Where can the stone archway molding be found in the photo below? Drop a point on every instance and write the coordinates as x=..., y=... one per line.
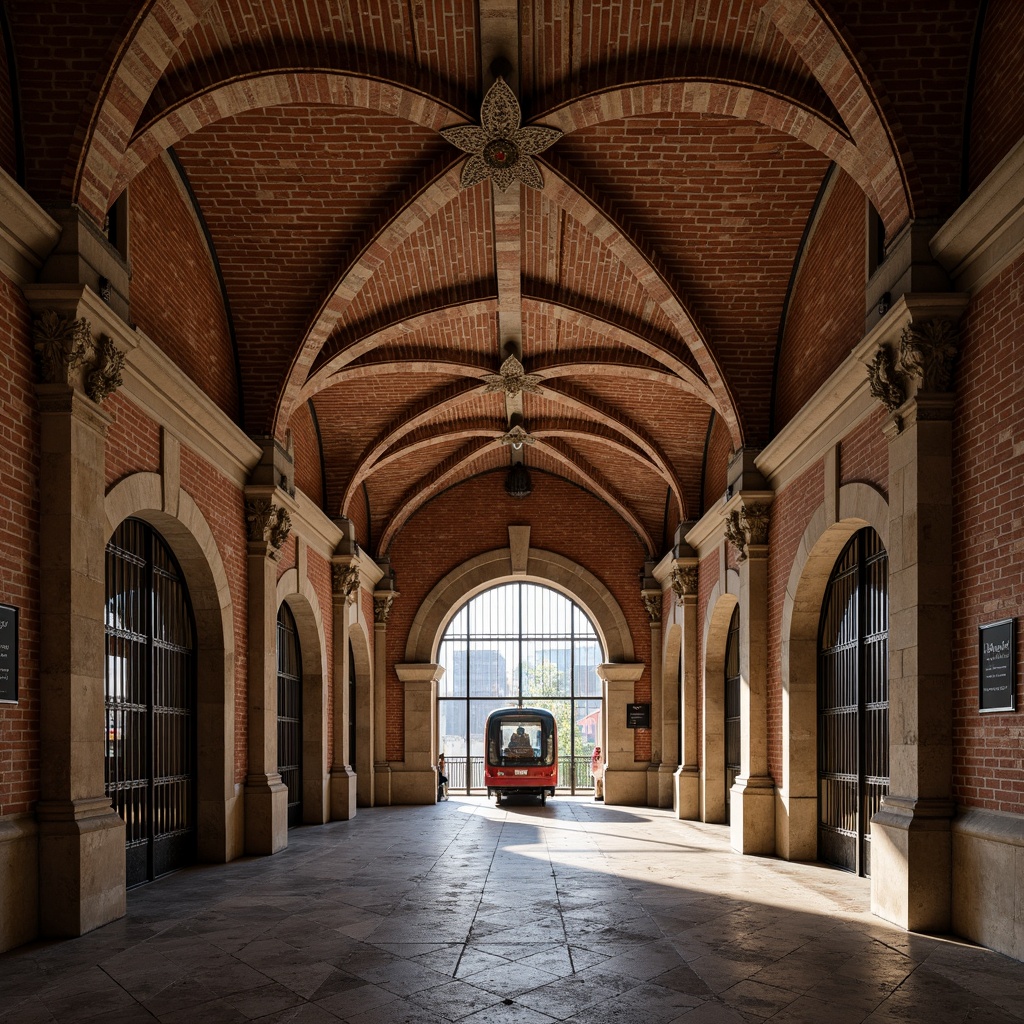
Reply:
x=796, y=802
x=174, y=514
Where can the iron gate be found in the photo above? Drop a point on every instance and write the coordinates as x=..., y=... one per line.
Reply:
x=150, y=702
x=853, y=703
x=289, y=713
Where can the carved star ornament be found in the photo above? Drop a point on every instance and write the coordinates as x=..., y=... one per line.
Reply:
x=500, y=149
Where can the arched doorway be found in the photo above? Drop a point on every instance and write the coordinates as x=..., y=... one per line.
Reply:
x=289, y=712
x=853, y=702
x=150, y=702
x=733, y=739
x=519, y=644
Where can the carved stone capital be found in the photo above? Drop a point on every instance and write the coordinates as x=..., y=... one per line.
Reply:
x=684, y=581
x=345, y=581
x=928, y=352
x=734, y=533
x=885, y=381
x=748, y=526
x=652, y=604
x=267, y=523
x=105, y=377
x=382, y=603
x=61, y=344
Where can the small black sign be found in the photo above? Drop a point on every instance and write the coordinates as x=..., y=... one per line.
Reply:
x=997, y=666
x=8, y=653
x=638, y=716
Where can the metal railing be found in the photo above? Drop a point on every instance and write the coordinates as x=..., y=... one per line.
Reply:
x=467, y=774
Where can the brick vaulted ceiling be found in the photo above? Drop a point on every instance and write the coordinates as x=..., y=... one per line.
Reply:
x=643, y=285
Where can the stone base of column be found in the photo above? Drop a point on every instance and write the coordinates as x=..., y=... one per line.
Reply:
x=343, y=793
x=686, y=793
x=412, y=785
x=381, y=784
x=81, y=866
x=752, y=815
x=628, y=788
x=266, y=815
x=912, y=863
x=660, y=785
x=796, y=827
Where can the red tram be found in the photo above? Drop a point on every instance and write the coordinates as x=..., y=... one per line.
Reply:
x=522, y=753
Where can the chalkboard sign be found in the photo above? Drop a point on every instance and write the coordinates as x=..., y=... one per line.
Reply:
x=997, y=666
x=8, y=653
x=638, y=716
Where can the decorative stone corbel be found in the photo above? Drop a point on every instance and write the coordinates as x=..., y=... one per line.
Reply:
x=748, y=525
x=382, y=602
x=652, y=603
x=929, y=350
x=105, y=377
x=267, y=523
x=684, y=581
x=62, y=343
x=345, y=581
x=885, y=381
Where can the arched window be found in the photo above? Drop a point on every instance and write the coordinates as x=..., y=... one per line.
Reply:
x=150, y=701
x=853, y=702
x=289, y=713
x=519, y=644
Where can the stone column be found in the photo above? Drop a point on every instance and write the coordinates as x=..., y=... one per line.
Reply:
x=686, y=796
x=625, y=781
x=81, y=838
x=345, y=592
x=752, y=814
x=416, y=781
x=383, y=598
x=663, y=703
x=911, y=858
x=266, y=796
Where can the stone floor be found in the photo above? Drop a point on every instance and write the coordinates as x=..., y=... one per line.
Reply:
x=464, y=912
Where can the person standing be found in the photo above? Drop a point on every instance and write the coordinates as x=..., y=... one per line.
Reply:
x=442, y=780
x=597, y=770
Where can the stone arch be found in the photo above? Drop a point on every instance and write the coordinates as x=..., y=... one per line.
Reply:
x=796, y=809
x=672, y=701
x=543, y=567
x=362, y=654
x=304, y=605
x=186, y=531
x=720, y=606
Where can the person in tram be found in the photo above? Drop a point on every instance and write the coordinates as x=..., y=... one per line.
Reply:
x=442, y=780
x=597, y=770
x=519, y=745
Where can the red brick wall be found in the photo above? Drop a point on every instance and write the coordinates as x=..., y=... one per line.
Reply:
x=997, y=116
x=222, y=506
x=176, y=298
x=864, y=453
x=826, y=310
x=988, y=489
x=133, y=440
x=7, y=127
x=792, y=510
x=716, y=465
x=19, y=549
x=474, y=518
x=308, y=477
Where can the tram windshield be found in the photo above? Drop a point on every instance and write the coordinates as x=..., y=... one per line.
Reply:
x=521, y=738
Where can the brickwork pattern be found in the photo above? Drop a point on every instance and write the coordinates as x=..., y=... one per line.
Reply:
x=8, y=150
x=133, y=440
x=176, y=298
x=988, y=537
x=826, y=310
x=19, y=550
x=864, y=453
x=716, y=463
x=308, y=472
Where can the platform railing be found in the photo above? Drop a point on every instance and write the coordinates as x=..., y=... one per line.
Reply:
x=467, y=774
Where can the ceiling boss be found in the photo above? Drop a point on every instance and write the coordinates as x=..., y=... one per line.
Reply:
x=500, y=149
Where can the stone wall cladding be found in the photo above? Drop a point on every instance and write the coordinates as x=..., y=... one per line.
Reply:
x=469, y=520
x=176, y=298
x=997, y=120
x=826, y=310
x=988, y=537
x=222, y=506
x=19, y=549
x=792, y=510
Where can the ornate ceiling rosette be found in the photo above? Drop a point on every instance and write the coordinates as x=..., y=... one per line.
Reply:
x=500, y=149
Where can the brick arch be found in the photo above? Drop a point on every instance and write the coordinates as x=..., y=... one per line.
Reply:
x=494, y=567
x=304, y=605
x=721, y=604
x=859, y=505
x=189, y=536
x=137, y=62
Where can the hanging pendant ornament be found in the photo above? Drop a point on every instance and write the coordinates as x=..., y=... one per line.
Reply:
x=501, y=150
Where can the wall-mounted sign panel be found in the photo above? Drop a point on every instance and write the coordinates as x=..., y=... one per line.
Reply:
x=997, y=666
x=8, y=653
x=638, y=716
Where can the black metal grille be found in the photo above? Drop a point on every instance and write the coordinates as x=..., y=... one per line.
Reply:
x=732, y=708
x=150, y=702
x=853, y=703
x=289, y=713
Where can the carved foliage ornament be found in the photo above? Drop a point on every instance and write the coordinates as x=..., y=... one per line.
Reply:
x=382, y=607
x=499, y=148
x=345, y=580
x=62, y=344
x=748, y=526
x=267, y=523
x=684, y=582
x=512, y=379
x=652, y=602
x=928, y=351
x=517, y=437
